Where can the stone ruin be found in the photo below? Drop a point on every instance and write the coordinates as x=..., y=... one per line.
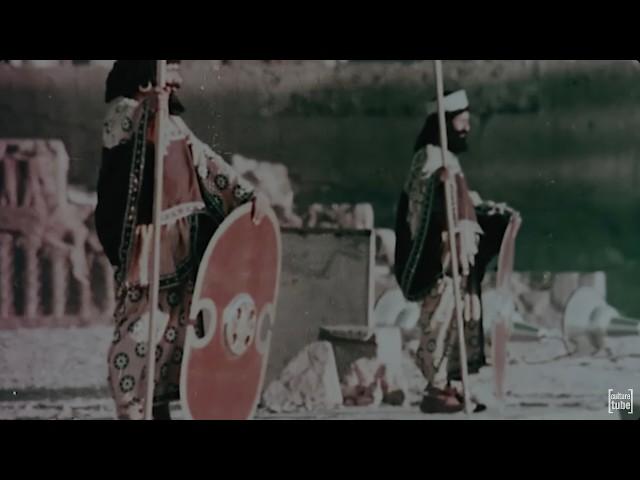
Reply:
x=355, y=368
x=52, y=270
x=272, y=179
x=53, y=274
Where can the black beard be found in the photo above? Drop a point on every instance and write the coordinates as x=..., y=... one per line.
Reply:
x=457, y=143
x=175, y=105
x=429, y=135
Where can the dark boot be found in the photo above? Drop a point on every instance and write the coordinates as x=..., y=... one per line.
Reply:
x=435, y=400
x=479, y=407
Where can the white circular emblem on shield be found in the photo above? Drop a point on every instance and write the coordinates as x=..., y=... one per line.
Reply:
x=240, y=321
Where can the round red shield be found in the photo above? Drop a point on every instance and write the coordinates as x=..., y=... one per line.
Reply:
x=236, y=291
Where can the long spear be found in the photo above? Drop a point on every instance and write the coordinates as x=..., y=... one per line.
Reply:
x=452, y=228
x=154, y=286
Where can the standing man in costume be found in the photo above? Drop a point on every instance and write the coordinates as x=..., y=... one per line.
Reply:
x=423, y=266
x=199, y=190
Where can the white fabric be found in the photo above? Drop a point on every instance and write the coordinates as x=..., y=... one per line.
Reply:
x=452, y=103
x=121, y=121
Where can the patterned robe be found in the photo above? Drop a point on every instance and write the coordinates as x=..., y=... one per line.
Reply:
x=199, y=190
x=423, y=267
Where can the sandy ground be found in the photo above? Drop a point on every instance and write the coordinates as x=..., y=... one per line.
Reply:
x=60, y=374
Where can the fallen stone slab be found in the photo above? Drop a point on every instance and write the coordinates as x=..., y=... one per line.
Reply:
x=309, y=382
